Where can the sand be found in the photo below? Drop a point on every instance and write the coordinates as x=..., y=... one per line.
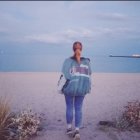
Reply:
x=38, y=90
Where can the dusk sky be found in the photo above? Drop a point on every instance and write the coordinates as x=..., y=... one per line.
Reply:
x=51, y=27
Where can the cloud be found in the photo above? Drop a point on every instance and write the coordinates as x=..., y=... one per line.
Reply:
x=61, y=37
x=62, y=22
x=53, y=38
x=80, y=33
x=112, y=16
x=3, y=30
x=116, y=33
x=70, y=35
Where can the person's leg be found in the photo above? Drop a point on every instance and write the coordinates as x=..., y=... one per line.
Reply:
x=69, y=110
x=78, y=103
x=78, y=116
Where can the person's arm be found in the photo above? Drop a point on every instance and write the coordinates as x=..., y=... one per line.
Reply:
x=63, y=77
x=66, y=69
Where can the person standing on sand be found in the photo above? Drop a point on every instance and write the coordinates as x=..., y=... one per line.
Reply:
x=76, y=71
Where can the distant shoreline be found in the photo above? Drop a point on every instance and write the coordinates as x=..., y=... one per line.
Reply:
x=128, y=56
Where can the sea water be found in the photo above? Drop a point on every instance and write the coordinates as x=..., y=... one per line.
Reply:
x=53, y=63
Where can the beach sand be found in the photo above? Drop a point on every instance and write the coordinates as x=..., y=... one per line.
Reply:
x=38, y=90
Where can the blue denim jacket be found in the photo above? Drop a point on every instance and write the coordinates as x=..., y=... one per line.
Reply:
x=77, y=77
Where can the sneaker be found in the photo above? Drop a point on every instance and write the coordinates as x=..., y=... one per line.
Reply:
x=69, y=132
x=76, y=135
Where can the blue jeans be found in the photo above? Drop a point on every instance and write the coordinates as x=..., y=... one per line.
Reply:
x=74, y=103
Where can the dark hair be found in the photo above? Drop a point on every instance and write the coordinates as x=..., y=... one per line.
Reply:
x=75, y=43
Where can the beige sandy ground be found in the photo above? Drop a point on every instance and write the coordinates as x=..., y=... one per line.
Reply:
x=110, y=92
